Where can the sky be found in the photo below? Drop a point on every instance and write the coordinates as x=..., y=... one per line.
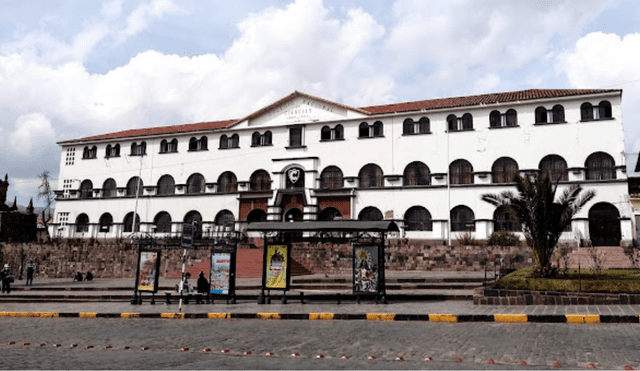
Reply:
x=73, y=68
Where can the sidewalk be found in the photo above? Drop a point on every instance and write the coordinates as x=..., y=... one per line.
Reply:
x=402, y=308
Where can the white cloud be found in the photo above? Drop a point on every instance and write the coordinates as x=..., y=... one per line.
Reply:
x=462, y=41
x=145, y=13
x=600, y=60
x=32, y=133
x=300, y=47
x=43, y=47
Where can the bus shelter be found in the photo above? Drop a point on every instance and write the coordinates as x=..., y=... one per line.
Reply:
x=367, y=239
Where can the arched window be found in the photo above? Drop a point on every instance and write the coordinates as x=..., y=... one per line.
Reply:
x=554, y=167
x=462, y=219
x=166, y=185
x=166, y=147
x=512, y=117
x=370, y=213
x=162, y=221
x=331, y=178
x=260, y=181
x=467, y=121
x=257, y=215
x=106, y=221
x=600, y=166
x=225, y=218
x=109, y=188
x=224, y=142
x=417, y=218
x=461, y=172
x=86, y=189
x=255, y=139
x=363, y=130
x=82, y=223
x=138, y=149
x=112, y=151
x=558, y=113
x=134, y=184
x=193, y=217
x=495, y=119
x=416, y=173
x=128, y=223
x=502, y=221
x=452, y=122
x=227, y=182
x=329, y=214
x=198, y=144
x=89, y=153
x=325, y=133
x=338, y=132
x=504, y=170
x=378, y=129
x=541, y=115
x=370, y=176
x=604, y=109
x=195, y=183
x=586, y=111
x=424, y=125
x=235, y=141
x=407, y=127
x=267, y=138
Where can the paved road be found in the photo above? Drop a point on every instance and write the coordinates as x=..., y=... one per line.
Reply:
x=608, y=346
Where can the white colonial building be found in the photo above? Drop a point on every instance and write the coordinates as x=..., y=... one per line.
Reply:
x=424, y=164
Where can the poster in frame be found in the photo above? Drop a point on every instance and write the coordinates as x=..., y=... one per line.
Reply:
x=276, y=267
x=148, y=271
x=366, y=270
x=222, y=273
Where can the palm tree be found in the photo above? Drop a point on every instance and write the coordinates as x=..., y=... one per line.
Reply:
x=542, y=218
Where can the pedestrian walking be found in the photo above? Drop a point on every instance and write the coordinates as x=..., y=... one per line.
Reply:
x=7, y=278
x=203, y=284
x=31, y=269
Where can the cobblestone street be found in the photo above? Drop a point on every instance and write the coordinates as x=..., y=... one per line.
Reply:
x=539, y=345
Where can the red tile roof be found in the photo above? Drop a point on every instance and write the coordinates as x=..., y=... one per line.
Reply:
x=475, y=100
x=174, y=129
x=423, y=105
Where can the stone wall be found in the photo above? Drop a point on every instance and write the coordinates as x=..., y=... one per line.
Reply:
x=112, y=259
x=406, y=255
x=104, y=260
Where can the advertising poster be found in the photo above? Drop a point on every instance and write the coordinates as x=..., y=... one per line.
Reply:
x=276, y=266
x=148, y=270
x=365, y=269
x=220, y=272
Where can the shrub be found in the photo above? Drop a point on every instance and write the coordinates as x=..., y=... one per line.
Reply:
x=503, y=238
x=465, y=239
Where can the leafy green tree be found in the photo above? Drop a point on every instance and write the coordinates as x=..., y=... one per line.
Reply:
x=541, y=216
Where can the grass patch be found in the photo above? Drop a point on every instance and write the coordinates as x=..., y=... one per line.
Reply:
x=608, y=281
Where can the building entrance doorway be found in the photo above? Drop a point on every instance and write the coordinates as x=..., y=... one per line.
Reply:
x=604, y=225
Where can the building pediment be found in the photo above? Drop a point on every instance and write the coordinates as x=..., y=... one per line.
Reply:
x=300, y=108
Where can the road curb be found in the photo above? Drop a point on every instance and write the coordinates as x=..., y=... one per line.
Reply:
x=432, y=317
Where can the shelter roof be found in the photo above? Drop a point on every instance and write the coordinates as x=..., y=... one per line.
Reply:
x=332, y=226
